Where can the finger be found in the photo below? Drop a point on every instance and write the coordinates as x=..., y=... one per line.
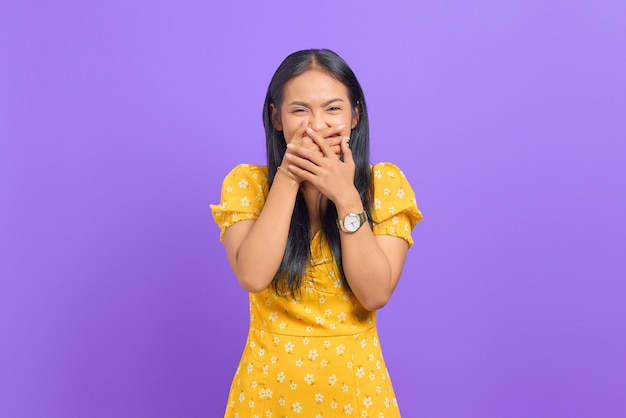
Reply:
x=320, y=141
x=302, y=164
x=345, y=149
x=331, y=131
x=299, y=132
x=334, y=142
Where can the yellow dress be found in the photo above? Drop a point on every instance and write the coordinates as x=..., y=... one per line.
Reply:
x=318, y=355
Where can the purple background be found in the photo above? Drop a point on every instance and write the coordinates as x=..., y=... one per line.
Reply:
x=119, y=120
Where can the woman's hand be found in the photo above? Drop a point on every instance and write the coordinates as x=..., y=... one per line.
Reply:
x=301, y=140
x=324, y=169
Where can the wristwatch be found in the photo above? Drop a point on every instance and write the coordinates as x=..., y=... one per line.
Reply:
x=352, y=222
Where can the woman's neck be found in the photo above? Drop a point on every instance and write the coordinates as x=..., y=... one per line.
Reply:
x=312, y=197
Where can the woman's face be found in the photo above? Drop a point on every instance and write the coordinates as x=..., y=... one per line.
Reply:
x=318, y=100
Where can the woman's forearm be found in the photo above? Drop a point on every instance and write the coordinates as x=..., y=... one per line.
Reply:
x=255, y=250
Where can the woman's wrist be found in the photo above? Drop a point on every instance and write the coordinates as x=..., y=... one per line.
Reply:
x=287, y=173
x=349, y=203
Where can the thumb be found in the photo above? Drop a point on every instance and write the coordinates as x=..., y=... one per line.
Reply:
x=345, y=150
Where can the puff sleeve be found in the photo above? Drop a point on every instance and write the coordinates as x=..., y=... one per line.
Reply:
x=243, y=195
x=395, y=210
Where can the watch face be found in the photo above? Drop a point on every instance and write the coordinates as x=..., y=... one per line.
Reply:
x=351, y=222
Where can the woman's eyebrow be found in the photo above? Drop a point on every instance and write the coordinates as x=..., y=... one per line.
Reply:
x=298, y=103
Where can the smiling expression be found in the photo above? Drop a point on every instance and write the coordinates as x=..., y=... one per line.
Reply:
x=318, y=99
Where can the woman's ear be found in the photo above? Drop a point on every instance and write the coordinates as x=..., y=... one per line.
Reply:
x=355, y=115
x=275, y=118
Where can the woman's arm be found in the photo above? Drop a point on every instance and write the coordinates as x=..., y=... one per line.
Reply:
x=372, y=264
x=255, y=248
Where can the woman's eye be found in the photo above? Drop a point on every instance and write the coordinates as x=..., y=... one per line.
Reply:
x=334, y=109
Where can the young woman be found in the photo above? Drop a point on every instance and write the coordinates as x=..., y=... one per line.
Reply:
x=319, y=238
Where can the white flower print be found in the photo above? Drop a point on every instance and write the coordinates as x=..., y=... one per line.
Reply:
x=332, y=327
x=395, y=220
x=319, y=320
x=289, y=347
x=345, y=387
x=299, y=363
x=378, y=174
x=340, y=349
x=274, y=359
x=249, y=368
x=265, y=394
x=387, y=403
x=400, y=193
x=391, y=174
x=243, y=184
x=347, y=409
x=386, y=191
x=292, y=385
x=245, y=201
x=392, y=210
x=309, y=378
x=261, y=352
x=324, y=363
x=333, y=404
x=341, y=317
x=377, y=203
x=322, y=300
x=251, y=404
x=319, y=398
x=360, y=371
x=309, y=329
x=328, y=313
x=280, y=377
x=281, y=401
x=312, y=354
x=332, y=379
x=282, y=325
x=253, y=384
x=229, y=189
x=372, y=376
x=242, y=396
x=363, y=343
x=276, y=340
x=273, y=316
x=305, y=341
x=297, y=408
x=327, y=344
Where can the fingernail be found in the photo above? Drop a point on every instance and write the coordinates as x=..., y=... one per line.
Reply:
x=309, y=130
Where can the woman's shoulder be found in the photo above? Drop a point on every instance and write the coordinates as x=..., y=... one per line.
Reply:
x=388, y=170
x=247, y=173
x=248, y=169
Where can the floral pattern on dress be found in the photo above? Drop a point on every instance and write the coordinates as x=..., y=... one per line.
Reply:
x=317, y=355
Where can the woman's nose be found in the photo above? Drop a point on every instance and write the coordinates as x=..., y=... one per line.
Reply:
x=317, y=123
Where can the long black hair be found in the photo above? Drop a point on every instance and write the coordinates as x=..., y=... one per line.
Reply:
x=292, y=269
